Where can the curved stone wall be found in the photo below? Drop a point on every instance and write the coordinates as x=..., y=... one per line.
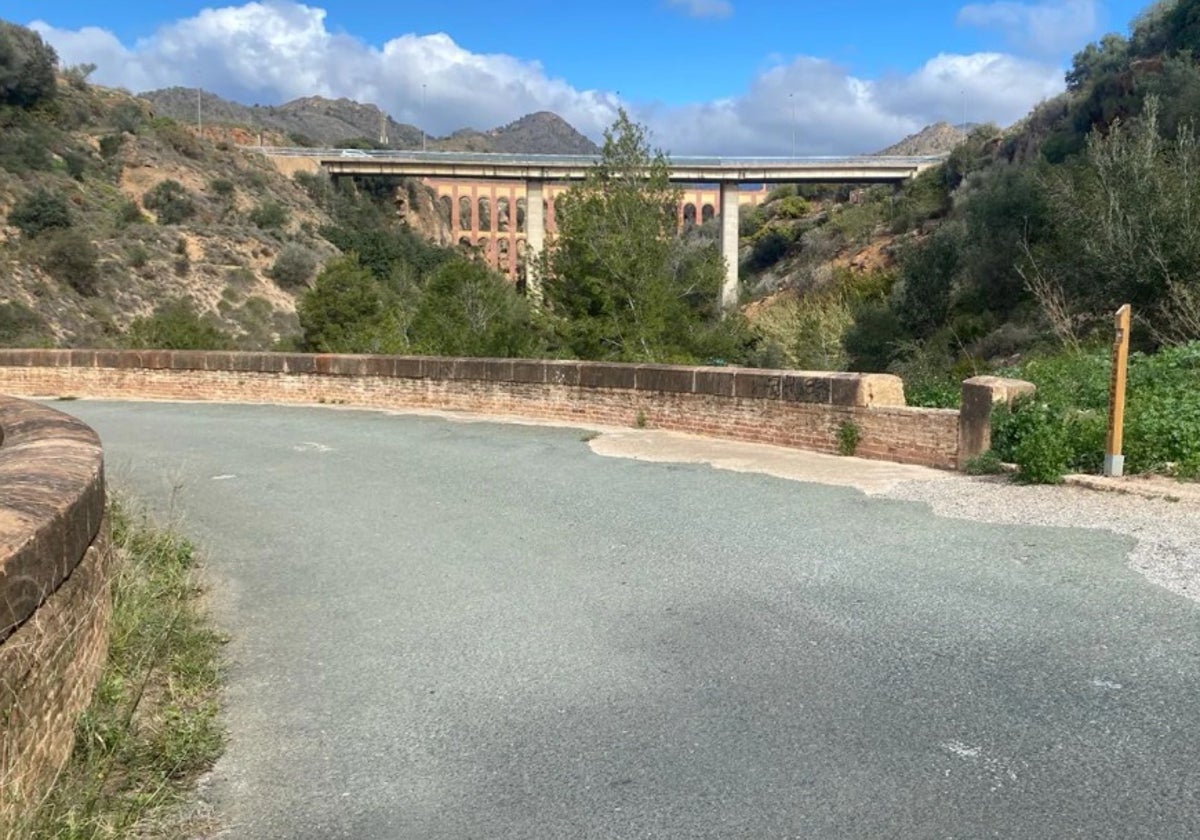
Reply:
x=54, y=604
x=800, y=409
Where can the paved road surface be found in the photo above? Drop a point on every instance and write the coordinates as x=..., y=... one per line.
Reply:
x=449, y=630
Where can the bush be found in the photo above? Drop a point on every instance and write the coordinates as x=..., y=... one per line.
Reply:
x=792, y=207
x=129, y=213
x=38, y=212
x=171, y=202
x=72, y=258
x=467, y=310
x=294, y=266
x=176, y=325
x=222, y=187
x=270, y=215
x=1033, y=434
x=348, y=311
x=20, y=325
x=768, y=249
x=178, y=137
x=985, y=463
x=26, y=67
x=849, y=436
x=110, y=145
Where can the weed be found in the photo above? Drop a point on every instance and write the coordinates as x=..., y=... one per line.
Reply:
x=640, y=420
x=985, y=463
x=848, y=436
x=152, y=727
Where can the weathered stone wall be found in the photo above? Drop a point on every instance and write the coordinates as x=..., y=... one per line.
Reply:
x=54, y=600
x=789, y=408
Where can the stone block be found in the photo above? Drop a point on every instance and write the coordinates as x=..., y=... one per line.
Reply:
x=757, y=385
x=806, y=388
x=713, y=381
x=666, y=378
x=606, y=375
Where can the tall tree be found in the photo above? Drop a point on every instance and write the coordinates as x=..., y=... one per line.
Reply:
x=26, y=66
x=619, y=284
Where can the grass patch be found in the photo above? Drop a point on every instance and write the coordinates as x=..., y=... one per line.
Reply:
x=152, y=727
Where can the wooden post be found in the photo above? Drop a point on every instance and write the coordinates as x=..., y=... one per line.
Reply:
x=1114, y=460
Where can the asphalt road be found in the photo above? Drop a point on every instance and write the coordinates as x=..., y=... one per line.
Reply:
x=451, y=630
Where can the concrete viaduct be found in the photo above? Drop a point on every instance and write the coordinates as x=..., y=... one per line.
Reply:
x=536, y=172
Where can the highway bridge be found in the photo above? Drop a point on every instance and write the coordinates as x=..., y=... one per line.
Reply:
x=535, y=171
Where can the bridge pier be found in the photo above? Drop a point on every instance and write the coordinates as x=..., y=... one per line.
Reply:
x=535, y=238
x=729, y=244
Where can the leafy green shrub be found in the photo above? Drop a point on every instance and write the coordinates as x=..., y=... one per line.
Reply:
x=110, y=145
x=751, y=221
x=348, y=311
x=40, y=211
x=75, y=164
x=294, y=266
x=792, y=207
x=170, y=201
x=985, y=463
x=466, y=309
x=222, y=187
x=176, y=325
x=849, y=436
x=780, y=192
x=20, y=326
x=1034, y=435
x=70, y=257
x=129, y=213
x=137, y=256
x=872, y=340
x=26, y=149
x=27, y=65
x=768, y=249
x=269, y=215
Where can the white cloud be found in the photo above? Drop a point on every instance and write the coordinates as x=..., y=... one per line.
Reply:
x=273, y=51
x=1049, y=28
x=704, y=8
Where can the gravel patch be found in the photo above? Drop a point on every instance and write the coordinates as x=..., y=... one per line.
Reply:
x=1167, y=533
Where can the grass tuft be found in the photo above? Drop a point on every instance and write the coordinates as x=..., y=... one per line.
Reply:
x=152, y=727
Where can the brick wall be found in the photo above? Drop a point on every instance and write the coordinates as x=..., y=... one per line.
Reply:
x=54, y=604
x=790, y=408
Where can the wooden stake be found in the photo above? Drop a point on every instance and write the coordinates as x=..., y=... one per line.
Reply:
x=1114, y=460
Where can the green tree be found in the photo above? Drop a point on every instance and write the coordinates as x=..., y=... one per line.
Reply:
x=349, y=311
x=619, y=284
x=467, y=310
x=27, y=66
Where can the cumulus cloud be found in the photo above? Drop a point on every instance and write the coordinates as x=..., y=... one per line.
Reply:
x=1050, y=28
x=270, y=52
x=703, y=8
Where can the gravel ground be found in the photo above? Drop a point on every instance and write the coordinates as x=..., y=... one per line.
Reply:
x=1167, y=533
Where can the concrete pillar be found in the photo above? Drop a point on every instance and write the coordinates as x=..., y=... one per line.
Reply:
x=455, y=224
x=535, y=238
x=729, y=244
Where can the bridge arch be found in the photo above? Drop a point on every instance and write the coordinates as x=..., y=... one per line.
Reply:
x=706, y=213
x=485, y=213
x=464, y=213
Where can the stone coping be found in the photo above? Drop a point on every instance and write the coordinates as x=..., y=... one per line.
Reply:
x=816, y=387
x=51, y=503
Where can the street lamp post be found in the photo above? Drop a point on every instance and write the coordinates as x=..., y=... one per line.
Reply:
x=422, y=116
x=792, y=100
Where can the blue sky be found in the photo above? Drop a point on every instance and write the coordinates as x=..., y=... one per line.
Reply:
x=707, y=76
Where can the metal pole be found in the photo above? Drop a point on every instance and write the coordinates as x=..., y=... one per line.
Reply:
x=422, y=116
x=1114, y=460
x=792, y=99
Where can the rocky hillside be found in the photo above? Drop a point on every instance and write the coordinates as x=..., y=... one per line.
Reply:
x=317, y=121
x=109, y=211
x=939, y=138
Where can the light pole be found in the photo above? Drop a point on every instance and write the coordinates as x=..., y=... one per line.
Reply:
x=792, y=100
x=422, y=116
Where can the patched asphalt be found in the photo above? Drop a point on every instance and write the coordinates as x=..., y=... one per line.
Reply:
x=474, y=630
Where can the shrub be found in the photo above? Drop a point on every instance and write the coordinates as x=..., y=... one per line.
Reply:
x=985, y=463
x=72, y=258
x=294, y=266
x=40, y=211
x=849, y=436
x=129, y=213
x=137, y=256
x=178, y=137
x=270, y=215
x=1034, y=435
x=222, y=187
x=26, y=67
x=792, y=207
x=768, y=249
x=176, y=325
x=20, y=325
x=110, y=145
x=348, y=311
x=170, y=201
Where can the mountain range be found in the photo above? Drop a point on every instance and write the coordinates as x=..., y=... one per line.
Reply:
x=318, y=121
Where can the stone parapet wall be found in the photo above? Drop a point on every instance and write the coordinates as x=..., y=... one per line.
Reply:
x=54, y=600
x=789, y=408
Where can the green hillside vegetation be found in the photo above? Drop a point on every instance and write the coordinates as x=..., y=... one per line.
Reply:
x=1014, y=255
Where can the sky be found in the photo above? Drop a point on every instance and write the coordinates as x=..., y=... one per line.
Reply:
x=719, y=77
